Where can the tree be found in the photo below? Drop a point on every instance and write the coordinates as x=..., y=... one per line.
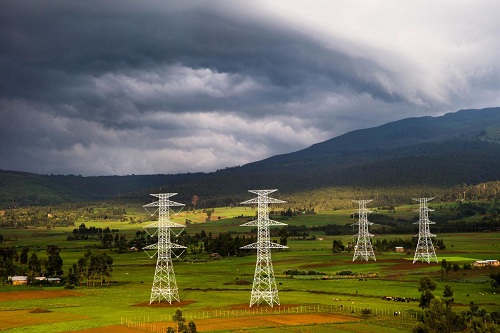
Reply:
x=44, y=266
x=100, y=268
x=72, y=279
x=23, y=258
x=445, y=267
x=495, y=280
x=107, y=240
x=105, y=267
x=448, y=295
x=337, y=246
x=179, y=320
x=426, y=286
x=83, y=267
x=191, y=328
x=55, y=262
x=438, y=318
x=1, y=238
x=283, y=236
x=7, y=267
x=34, y=264
x=94, y=267
x=478, y=320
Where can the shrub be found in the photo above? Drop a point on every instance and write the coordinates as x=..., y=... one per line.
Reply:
x=366, y=312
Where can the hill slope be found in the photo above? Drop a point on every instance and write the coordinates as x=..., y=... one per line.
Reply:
x=460, y=147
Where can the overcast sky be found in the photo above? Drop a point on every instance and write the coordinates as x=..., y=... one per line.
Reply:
x=121, y=87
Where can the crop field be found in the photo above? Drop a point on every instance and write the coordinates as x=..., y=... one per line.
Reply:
x=215, y=293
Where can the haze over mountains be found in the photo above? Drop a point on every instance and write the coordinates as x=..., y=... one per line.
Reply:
x=456, y=148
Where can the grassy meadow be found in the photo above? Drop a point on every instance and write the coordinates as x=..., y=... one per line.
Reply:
x=206, y=284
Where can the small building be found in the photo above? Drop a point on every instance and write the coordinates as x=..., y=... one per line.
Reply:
x=486, y=263
x=480, y=263
x=54, y=280
x=400, y=249
x=493, y=262
x=18, y=280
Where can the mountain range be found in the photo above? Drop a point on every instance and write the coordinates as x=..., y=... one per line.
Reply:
x=457, y=148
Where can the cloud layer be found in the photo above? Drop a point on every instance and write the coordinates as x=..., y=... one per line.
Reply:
x=123, y=87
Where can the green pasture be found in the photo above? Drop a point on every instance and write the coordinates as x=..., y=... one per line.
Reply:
x=220, y=284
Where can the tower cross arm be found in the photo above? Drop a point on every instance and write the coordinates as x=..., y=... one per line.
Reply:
x=163, y=203
x=256, y=223
x=169, y=246
x=266, y=245
x=169, y=224
x=262, y=200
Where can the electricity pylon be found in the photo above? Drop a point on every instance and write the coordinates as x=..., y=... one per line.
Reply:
x=363, y=248
x=264, y=284
x=164, y=284
x=425, y=250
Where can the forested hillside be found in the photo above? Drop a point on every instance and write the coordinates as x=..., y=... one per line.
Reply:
x=416, y=156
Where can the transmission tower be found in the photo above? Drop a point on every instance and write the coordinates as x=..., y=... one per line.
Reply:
x=164, y=284
x=425, y=250
x=264, y=285
x=363, y=248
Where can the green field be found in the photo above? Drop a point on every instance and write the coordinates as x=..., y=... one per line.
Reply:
x=211, y=285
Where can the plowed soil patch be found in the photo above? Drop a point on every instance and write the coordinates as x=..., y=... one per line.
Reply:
x=36, y=294
x=269, y=321
x=236, y=323
x=22, y=318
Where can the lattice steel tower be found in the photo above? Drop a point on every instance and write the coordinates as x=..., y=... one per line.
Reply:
x=363, y=248
x=425, y=250
x=264, y=285
x=164, y=284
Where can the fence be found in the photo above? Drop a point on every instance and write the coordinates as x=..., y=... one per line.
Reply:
x=159, y=323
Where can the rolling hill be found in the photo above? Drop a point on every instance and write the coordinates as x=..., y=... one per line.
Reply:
x=456, y=148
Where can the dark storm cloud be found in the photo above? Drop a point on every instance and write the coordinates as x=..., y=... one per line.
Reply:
x=110, y=81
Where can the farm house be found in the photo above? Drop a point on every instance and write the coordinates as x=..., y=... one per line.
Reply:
x=18, y=280
x=486, y=263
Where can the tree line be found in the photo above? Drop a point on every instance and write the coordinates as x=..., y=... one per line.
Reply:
x=93, y=268
x=31, y=265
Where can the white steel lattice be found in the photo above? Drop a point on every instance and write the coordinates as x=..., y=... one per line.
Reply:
x=264, y=284
x=164, y=283
x=363, y=248
x=425, y=250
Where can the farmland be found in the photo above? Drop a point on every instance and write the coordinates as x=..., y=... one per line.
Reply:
x=223, y=285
